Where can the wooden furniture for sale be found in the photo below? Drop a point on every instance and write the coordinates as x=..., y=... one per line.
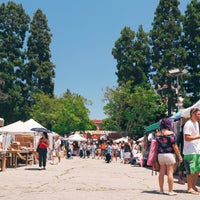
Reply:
x=3, y=160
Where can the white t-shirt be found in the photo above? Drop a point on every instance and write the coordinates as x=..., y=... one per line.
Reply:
x=191, y=147
x=57, y=144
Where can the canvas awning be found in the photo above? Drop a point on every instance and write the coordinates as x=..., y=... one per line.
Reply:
x=186, y=112
x=152, y=127
x=176, y=116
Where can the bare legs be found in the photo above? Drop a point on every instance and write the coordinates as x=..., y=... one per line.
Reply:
x=170, y=178
x=192, y=181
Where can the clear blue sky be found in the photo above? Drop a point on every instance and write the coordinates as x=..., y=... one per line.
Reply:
x=84, y=33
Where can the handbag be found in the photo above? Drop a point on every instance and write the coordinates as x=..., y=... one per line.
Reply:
x=153, y=156
x=153, y=152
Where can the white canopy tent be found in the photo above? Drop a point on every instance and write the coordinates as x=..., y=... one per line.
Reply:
x=16, y=127
x=10, y=130
x=185, y=113
x=19, y=127
x=76, y=137
x=23, y=128
x=125, y=139
x=31, y=123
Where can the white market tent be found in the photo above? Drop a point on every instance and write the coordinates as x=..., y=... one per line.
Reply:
x=185, y=113
x=16, y=127
x=10, y=130
x=125, y=139
x=76, y=137
x=19, y=127
x=31, y=123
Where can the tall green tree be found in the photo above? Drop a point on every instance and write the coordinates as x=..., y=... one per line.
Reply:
x=131, y=111
x=64, y=114
x=13, y=27
x=132, y=54
x=191, y=28
x=168, y=51
x=114, y=97
x=39, y=71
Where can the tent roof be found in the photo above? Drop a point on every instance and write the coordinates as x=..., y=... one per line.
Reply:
x=76, y=137
x=186, y=112
x=125, y=139
x=16, y=127
x=152, y=127
x=31, y=123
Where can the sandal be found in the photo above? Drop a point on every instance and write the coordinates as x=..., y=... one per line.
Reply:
x=181, y=181
x=197, y=190
x=193, y=192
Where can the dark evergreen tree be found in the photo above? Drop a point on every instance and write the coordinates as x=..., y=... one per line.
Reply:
x=132, y=54
x=13, y=26
x=167, y=49
x=191, y=27
x=39, y=71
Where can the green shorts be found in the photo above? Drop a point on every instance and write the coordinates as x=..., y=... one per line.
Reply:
x=192, y=163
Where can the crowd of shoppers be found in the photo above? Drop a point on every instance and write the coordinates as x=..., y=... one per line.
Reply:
x=110, y=150
x=129, y=151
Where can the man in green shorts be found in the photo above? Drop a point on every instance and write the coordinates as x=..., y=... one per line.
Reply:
x=191, y=150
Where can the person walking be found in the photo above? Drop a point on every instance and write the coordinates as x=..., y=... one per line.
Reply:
x=121, y=147
x=115, y=150
x=127, y=152
x=93, y=148
x=108, y=151
x=191, y=150
x=42, y=150
x=56, y=149
x=167, y=148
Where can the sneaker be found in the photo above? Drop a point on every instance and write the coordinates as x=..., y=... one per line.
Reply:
x=172, y=193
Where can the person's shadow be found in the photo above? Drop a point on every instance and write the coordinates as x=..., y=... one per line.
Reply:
x=33, y=169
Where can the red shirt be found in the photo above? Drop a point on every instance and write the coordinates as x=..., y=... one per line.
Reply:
x=43, y=143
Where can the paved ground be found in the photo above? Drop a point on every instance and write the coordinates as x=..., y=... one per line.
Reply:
x=85, y=179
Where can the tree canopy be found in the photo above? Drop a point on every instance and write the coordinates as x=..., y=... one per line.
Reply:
x=172, y=43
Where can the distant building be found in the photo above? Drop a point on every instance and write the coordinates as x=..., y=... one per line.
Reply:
x=98, y=123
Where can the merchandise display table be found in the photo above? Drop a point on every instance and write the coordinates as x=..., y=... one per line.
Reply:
x=28, y=156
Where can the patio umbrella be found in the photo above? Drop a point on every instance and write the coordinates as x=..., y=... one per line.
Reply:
x=40, y=129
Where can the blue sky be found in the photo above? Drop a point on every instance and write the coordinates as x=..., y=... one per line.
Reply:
x=84, y=33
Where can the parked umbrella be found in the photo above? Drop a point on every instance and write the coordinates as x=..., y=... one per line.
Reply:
x=40, y=129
